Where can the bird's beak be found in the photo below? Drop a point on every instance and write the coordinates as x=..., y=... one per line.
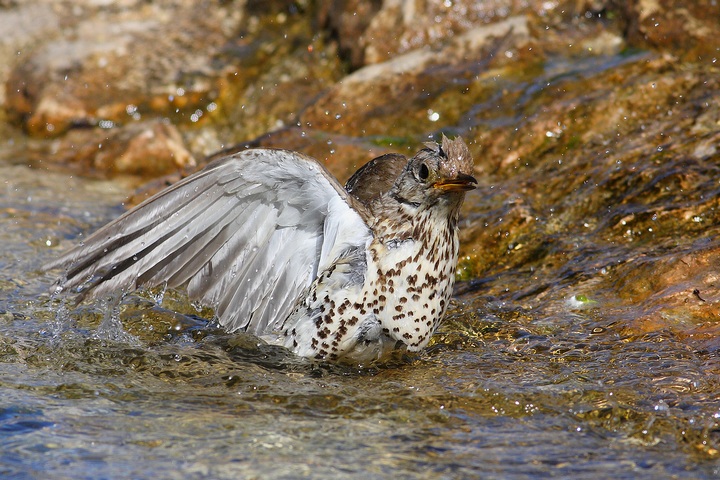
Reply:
x=461, y=183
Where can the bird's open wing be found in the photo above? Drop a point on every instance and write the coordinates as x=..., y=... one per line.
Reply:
x=246, y=235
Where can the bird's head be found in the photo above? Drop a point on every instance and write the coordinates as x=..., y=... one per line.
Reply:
x=438, y=172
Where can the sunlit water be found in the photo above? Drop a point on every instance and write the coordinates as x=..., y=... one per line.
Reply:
x=506, y=391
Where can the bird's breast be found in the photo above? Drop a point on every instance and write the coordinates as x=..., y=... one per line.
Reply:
x=401, y=295
x=410, y=281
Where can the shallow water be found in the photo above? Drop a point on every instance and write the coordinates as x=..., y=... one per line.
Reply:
x=511, y=387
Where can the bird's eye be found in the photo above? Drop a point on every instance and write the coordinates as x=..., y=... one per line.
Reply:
x=423, y=172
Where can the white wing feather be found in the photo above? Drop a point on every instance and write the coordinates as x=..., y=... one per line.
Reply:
x=247, y=235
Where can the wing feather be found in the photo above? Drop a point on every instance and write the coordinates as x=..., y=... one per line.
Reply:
x=247, y=235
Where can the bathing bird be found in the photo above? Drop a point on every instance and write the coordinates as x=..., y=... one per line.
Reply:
x=280, y=249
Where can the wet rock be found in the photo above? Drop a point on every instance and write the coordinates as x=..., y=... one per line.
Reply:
x=147, y=149
x=279, y=66
x=605, y=185
x=120, y=64
x=690, y=29
x=376, y=34
x=363, y=101
x=341, y=155
x=679, y=294
x=22, y=25
x=347, y=21
x=220, y=73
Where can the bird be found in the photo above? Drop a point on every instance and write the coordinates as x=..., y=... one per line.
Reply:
x=280, y=249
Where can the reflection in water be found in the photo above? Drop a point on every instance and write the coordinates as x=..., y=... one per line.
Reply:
x=551, y=377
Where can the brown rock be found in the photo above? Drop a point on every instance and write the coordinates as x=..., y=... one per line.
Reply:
x=117, y=65
x=147, y=149
x=342, y=155
x=690, y=29
x=347, y=21
x=404, y=91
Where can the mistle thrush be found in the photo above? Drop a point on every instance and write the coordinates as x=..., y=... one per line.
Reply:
x=280, y=249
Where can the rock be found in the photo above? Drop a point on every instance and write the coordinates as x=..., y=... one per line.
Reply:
x=362, y=102
x=341, y=155
x=347, y=21
x=688, y=29
x=216, y=71
x=147, y=149
x=118, y=65
x=375, y=32
x=22, y=26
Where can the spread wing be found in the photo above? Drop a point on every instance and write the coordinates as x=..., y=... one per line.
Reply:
x=246, y=235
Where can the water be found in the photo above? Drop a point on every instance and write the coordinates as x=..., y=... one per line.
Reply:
x=514, y=386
